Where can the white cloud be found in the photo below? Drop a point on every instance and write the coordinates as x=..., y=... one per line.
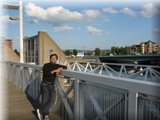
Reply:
x=36, y=12
x=106, y=20
x=110, y=10
x=53, y=15
x=58, y=15
x=125, y=10
x=94, y=30
x=35, y=21
x=128, y=11
x=149, y=10
x=63, y=29
x=91, y=14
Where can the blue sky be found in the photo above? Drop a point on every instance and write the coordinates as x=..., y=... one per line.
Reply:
x=85, y=25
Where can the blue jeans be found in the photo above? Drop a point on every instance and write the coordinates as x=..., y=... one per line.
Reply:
x=48, y=97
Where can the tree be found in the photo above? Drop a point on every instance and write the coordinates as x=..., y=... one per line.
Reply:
x=97, y=51
x=123, y=50
x=16, y=51
x=115, y=50
x=133, y=49
x=75, y=52
x=67, y=52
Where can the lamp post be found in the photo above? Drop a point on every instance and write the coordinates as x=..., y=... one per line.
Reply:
x=21, y=31
x=20, y=18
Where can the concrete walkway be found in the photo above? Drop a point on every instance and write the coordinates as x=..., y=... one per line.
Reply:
x=18, y=106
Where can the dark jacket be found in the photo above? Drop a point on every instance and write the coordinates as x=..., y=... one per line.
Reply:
x=47, y=68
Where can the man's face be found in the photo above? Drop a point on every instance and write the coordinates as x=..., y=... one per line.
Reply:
x=53, y=59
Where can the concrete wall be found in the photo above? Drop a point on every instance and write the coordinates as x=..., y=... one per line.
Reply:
x=46, y=43
x=8, y=54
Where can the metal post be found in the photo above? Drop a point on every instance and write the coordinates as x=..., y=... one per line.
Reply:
x=21, y=30
x=20, y=18
x=76, y=100
x=132, y=107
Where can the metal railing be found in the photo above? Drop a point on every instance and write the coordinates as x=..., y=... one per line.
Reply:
x=88, y=96
x=132, y=71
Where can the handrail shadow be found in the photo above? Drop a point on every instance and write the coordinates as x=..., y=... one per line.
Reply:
x=33, y=94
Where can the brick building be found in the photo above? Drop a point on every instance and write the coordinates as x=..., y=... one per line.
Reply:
x=148, y=47
x=7, y=52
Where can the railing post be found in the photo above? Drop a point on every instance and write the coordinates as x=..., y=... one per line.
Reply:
x=76, y=100
x=132, y=106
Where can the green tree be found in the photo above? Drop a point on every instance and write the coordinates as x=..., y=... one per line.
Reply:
x=133, y=49
x=16, y=51
x=67, y=52
x=97, y=51
x=123, y=50
x=127, y=49
x=75, y=52
x=115, y=50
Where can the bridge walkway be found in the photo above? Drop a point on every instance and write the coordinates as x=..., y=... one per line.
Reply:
x=18, y=107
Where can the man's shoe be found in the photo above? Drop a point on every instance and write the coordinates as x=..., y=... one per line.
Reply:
x=46, y=117
x=39, y=115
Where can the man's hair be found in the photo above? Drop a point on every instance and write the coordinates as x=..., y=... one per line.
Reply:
x=53, y=55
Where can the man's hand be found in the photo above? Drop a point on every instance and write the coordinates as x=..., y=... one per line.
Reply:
x=57, y=71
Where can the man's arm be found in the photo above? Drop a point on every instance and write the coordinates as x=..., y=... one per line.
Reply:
x=55, y=71
x=58, y=71
x=62, y=66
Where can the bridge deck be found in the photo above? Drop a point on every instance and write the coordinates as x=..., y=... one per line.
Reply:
x=18, y=106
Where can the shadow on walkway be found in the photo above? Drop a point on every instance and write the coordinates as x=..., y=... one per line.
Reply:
x=33, y=94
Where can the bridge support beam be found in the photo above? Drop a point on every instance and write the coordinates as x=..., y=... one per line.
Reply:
x=76, y=100
x=132, y=106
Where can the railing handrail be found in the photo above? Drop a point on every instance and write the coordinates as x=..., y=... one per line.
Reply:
x=97, y=63
x=28, y=73
x=35, y=67
x=107, y=63
x=145, y=87
x=123, y=83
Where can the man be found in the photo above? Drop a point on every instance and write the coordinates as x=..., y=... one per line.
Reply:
x=50, y=71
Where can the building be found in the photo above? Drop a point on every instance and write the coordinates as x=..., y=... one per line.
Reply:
x=8, y=43
x=134, y=49
x=148, y=47
x=7, y=52
x=155, y=48
x=80, y=54
x=159, y=49
x=143, y=48
x=38, y=48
